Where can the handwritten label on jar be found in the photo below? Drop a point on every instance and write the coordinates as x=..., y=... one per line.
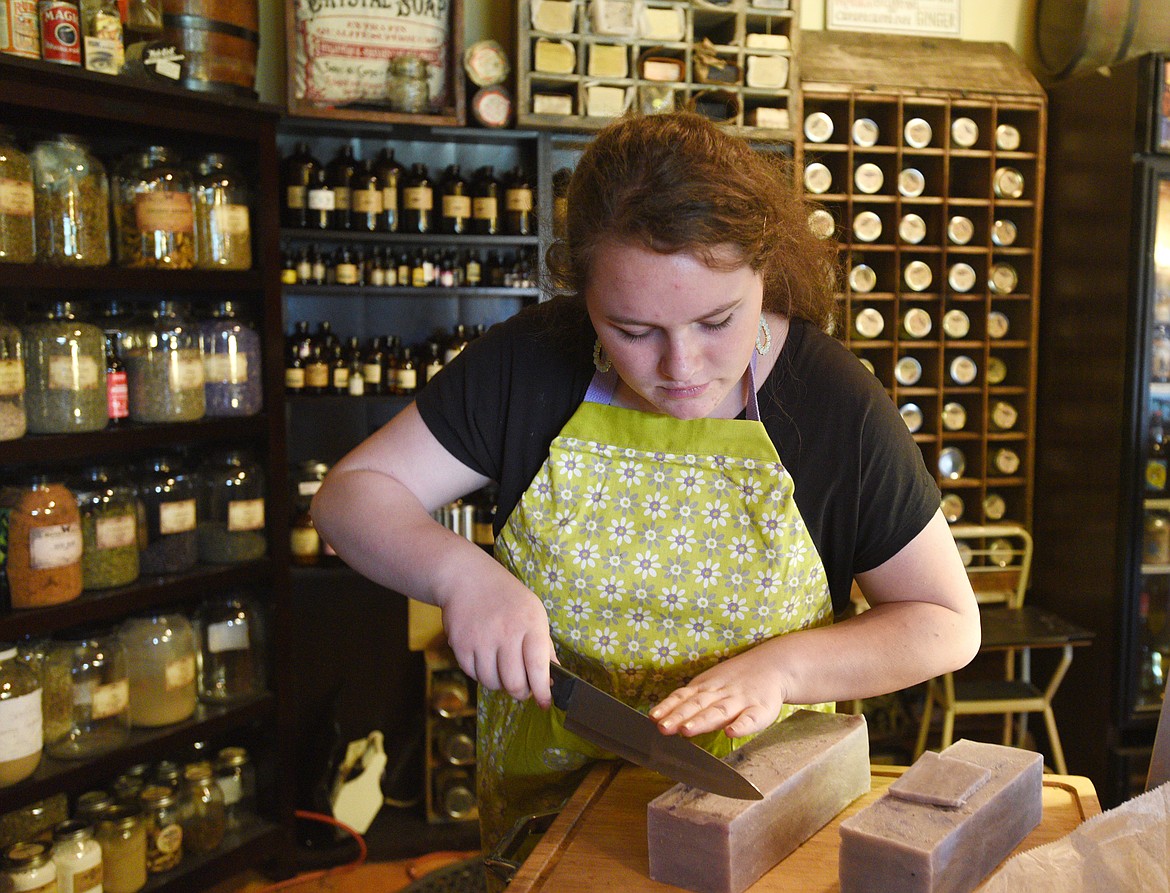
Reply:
x=16, y=197
x=56, y=546
x=169, y=212
x=20, y=726
x=227, y=636
x=111, y=699
x=11, y=377
x=67, y=374
x=180, y=673
x=185, y=370
x=231, y=219
x=226, y=368
x=115, y=533
x=245, y=514
x=176, y=517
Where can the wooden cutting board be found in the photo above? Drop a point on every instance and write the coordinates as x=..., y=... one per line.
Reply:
x=598, y=842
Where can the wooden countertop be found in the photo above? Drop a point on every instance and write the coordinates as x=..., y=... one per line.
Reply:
x=598, y=842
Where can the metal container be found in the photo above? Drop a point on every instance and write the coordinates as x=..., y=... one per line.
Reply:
x=964, y=133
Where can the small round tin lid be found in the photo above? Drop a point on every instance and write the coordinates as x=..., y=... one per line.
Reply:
x=960, y=229
x=867, y=226
x=865, y=132
x=917, y=275
x=818, y=179
x=912, y=415
x=862, y=278
x=912, y=228
x=911, y=182
x=952, y=507
x=994, y=507
x=869, y=178
x=1003, y=233
x=27, y=855
x=997, y=324
x=961, y=277
x=908, y=371
x=1007, y=138
x=1003, y=279
x=952, y=464
x=966, y=553
x=1007, y=461
x=917, y=133
x=492, y=106
x=954, y=416
x=956, y=323
x=996, y=370
x=1008, y=182
x=818, y=127
x=869, y=322
x=1004, y=415
x=917, y=322
x=964, y=132
x=867, y=364
x=822, y=224
x=963, y=370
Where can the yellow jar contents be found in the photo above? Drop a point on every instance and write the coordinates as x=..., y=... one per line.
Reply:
x=204, y=812
x=123, y=840
x=161, y=649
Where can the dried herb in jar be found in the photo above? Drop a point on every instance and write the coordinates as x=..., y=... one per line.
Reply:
x=43, y=557
x=164, y=365
x=154, y=212
x=231, y=509
x=231, y=363
x=13, y=420
x=167, y=538
x=223, y=228
x=109, y=529
x=17, y=207
x=65, y=373
x=72, y=204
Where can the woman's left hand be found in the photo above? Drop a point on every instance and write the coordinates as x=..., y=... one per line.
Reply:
x=740, y=696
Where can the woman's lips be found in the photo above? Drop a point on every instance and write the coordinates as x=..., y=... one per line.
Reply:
x=684, y=393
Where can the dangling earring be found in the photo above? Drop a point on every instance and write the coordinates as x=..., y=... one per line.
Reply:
x=600, y=361
x=763, y=337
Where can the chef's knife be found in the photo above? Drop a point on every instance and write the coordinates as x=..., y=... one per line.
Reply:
x=619, y=728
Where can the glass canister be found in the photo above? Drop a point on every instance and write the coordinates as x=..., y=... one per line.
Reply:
x=232, y=369
x=91, y=806
x=202, y=811
x=65, y=372
x=42, y=561
x=154, y=211
x=223, y=226
x=31, y=868
x=230, y=636
x=123, y=841
x=17, y=203
x=167, y=497
x=13, y=421
x=407, y=89
x=78, y=857
x=109, y=529
x=164, y=832
x=164, y=366
x=72, y=203
x=236, y=777
x=86, y=695
x=161, y=649
x=20, y=718
x=231, y=508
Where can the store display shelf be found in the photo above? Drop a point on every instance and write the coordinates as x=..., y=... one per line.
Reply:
x=243, y=847
x=327, y=400
x=431, y=240
x=39, y=278
x=370, y=291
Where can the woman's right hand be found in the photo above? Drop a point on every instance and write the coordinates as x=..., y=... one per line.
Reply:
x=499, y=633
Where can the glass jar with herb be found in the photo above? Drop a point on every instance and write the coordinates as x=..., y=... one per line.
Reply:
x=65, y=372
x=109, y=529
x=230, y=636
x=78, y=857
x=20, y=717
x=30, y=867
x=17, y=205
x=164, y=832
x=231, y=363
x=231, y=508
x=164, y=366
x=223, y=225
x=153, y=211
x=13, y=421
x=236, y=777
x=43, y=559
x=407, y=88
x=86, y=694
x=72, y=204
x=202, y=810
x=167, y=496
x=123, y=840
x=161, y=648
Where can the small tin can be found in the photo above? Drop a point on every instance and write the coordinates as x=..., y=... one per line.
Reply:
x=867, y=226
x=1007, y=182
x=908, y=371
x=952, y=507
x=1003, y=415
x=1000, y=552
x=960, y=230
x=1007, y=138
x=818, y=127
x=917, y=133
x=865, y=132
x=964, y=132
x=822, y=224
x=818, y=179
x=911, y=182
x=952, y=464
x=917, y=276
x=1006, y=461
x=916, y=322
x=868, y=178
x=1003, y=233
x=912, y=415
x=966, y=553
x=997, y=324
x=963, y=370
x=954, y=416
x=956, y=323
x=961, y=277
x=867, y=364
x=912, y=228
x=869, y=322
x=60, y=31
x=862, y=278
x=1003, y=279
x=996, y=370
x=994, y=507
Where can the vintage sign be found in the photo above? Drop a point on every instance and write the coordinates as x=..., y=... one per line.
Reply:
x=939, y=18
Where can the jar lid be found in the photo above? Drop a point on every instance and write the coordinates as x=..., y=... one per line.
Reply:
x=960, y=229
x=956, y=323
x=997, y=324
x=92, y=802
x=862, y=278
x=867, y=226
x=917, y=133
x=869, y=178
x=1008, y=182
x=27, y=854
x=72, y=829
x=911, y=183
x=964, y=132
x=157, y=795
x=865, y=132
x=821, y=223
x=996, y=370
x=199, y=771
x=952, y=507
x=1007, y=138
x=961, y=277
x=409, y=66
x=994, y=507
x=869, y=322
x=818, y=178
x=1003, y=279
x=818, y=127
x=917, y=322
x=912, y=415
x=1004, y=415
x=917, y=275
x=954, y=416
x=122, y=816
x=1003, y=233
x=963, y=370
x=908, y=371
x=486, y=63
x=232, y=756
x=952, y=463
x=912, y=228
x=1007, y=461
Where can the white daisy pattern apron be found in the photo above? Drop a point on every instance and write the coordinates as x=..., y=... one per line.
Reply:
x=659, y=547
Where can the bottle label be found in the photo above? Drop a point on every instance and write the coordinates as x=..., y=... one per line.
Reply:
x=377, y=276
x=231, y=785
x=226, y=368
x=294, y=378
x=67, y=375
x=169, y=212
x=372, y=373
x=347, y=274
x=1156, y=475
x=186, y=370
x=433, y=369
x=322, y=200
x=116, y=533
x=245, y=514
x=390, y=199
x=169, y=839
x=305, y=542
x=294, y=197
x=356, y=385
x=60, y=32
x=117, y=395
x=88, y=879
x=316, y=375
x=341, y=197
x=176, y=517
x=418, y=277
x=456, y=206
x=16, y=197
x=111, y=699
x=418, y=198
x=407, y=379
x=341, y=379
x=367, y=201
x=473, y=272
x=486, y=208
x=232, y=220
x=20, y=726
x=11, y=378
x=227, y=636
x=56, y=546
x=518, y=199
x=179, y=673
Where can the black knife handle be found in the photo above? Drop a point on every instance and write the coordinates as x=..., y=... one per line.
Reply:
x=562, y=685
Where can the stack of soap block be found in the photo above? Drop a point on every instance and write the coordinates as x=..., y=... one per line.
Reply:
x=946, y=823
x=808, y=767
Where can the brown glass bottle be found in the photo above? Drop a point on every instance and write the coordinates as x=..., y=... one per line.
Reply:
x=418, y=201
x=407, y=372
x=338, y=173
x=455, y=208
x=485, y=202
x=389, y=173
x=298, y=173
x=365, y=198
x=518, y=204
x=321, y=202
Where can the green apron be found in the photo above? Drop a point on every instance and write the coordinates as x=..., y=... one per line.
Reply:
x=660, y=547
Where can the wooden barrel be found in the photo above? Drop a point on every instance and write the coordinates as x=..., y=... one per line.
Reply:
x=1077, y=36
x=219, y=40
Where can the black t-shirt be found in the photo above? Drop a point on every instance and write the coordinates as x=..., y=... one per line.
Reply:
x=861, y=485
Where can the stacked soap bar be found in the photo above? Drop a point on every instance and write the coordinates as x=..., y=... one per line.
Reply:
x=809, y=768
x=945, y=824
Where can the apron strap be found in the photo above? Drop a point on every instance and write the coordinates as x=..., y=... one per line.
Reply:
x=603, y=385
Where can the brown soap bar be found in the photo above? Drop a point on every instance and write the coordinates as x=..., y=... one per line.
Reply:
x=895, y=844
x=808, y=767
x=939, y=781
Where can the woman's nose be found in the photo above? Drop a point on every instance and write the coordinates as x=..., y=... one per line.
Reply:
x=677, y=360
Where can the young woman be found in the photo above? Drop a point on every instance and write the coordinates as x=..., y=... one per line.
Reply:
x=691, y=473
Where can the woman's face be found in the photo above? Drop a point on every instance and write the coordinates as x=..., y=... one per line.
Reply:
x=679, y=333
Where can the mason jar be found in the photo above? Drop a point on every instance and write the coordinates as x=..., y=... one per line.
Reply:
x=78, y=857
x=202, y=809
x=13, y=420
x=154, y=211
x=123, y=840
x=236, y=777
x=231, y=508
x=72, y=204
x=230, y=658
x=167, y=499
x=407, y=89
x=109, y=529
x=17, y=203
x=164, y=832
x=20, y=717
x=164, y=366
x=161, y=649
x=232, y=368
x=30, y=867
x=65, y=373
x=87, y=694
x=223, y=226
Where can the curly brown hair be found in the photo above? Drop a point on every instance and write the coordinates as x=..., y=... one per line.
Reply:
x=676, y=182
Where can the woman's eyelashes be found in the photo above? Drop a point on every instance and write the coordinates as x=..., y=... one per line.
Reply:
x=709, y=326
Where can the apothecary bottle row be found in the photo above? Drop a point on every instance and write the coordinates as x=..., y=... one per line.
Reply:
x=389, y=266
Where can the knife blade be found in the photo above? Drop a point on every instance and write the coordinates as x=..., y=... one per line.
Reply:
x=605, y=721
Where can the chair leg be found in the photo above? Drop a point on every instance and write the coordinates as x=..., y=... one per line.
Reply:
x=1054, y=739
x=924, y=725
x=948, y=728
x=1007, y=728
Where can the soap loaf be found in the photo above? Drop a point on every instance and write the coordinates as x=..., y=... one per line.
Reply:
x=904, y=842
x=808, y=767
